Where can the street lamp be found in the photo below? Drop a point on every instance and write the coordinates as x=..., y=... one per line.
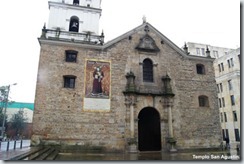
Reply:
x=6, y=96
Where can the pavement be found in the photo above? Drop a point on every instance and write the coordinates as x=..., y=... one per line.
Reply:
x=11, y=152
x=6, y=155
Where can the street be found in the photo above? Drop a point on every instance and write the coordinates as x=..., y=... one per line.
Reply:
x=3, y=145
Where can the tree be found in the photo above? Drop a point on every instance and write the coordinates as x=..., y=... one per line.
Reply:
x=1, y=116
x=18, y=122
x=3, y=92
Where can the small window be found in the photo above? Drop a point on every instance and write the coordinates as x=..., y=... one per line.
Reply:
x=221, y=117
x=223, y=102
x=147, y=70
x=226, y=133
x=222, y=66
x=216, y=54
x=217, y=88
x=219, y=67
x=223, y=133
x=69, y=81
x=232, y=100
x=237, y=134
x=231, y=62
x=220, y=104
x=225, y=116
x=234, y=116
x=198, y=51
x=76, y=2
x=71, y=56
x=228, y=61
x=230, y=84
x=203, y=51
x=221, y=87
x=200, y=69
x=203, y=101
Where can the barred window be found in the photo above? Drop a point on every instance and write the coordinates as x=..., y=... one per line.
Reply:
x=69, y=81
x=147, y=70
x=203, y=101
x=200, y=69
x=71, y=56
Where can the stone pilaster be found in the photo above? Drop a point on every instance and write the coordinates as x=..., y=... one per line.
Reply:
x=130, y=102
x=168, y=103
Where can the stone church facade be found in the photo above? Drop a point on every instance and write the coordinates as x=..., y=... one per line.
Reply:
x=137, y=92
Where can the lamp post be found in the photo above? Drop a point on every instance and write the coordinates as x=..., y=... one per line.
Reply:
x=6, y=96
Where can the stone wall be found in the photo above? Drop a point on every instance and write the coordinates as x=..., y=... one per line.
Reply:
x=59, y=117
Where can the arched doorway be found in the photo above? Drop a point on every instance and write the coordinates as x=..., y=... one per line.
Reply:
x=149, y=130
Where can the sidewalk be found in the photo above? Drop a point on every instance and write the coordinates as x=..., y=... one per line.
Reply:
x=6, y=155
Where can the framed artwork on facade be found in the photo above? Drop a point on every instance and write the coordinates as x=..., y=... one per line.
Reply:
x=97, y=85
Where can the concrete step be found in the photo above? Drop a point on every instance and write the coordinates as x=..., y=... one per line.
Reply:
x=40, y=153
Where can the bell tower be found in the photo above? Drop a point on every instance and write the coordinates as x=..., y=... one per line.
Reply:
x=73, y=20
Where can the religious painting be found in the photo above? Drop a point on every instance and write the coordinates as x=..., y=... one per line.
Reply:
x=97, y=85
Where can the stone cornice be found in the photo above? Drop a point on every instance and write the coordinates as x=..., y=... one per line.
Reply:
x=69, y=43
x=228, y=76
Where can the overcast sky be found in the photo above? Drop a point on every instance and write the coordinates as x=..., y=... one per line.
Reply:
x=214, y=22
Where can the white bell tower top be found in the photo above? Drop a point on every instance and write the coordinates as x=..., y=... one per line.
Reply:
x=75, y=16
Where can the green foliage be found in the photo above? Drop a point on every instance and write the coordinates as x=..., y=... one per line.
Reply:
x=18, y=121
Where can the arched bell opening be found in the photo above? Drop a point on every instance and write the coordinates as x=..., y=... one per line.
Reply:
x=74, y=24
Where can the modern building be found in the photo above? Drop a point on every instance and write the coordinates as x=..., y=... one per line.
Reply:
x=137, y=92
x=199, y=49
x=227, y=75
x=227, y=71
x=12, y=109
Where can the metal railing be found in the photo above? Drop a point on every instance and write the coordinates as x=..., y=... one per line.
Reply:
x=87, y=37
x=14, y=144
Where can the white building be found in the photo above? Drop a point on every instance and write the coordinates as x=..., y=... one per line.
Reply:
x=15, y=107
x=227, y=72
x=199, y=49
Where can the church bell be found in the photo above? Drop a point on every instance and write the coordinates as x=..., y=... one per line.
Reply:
x=74, y=26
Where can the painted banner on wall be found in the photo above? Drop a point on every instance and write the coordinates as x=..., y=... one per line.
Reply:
x=97, y=85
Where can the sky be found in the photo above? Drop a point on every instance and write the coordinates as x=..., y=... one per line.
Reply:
x=214, y=22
